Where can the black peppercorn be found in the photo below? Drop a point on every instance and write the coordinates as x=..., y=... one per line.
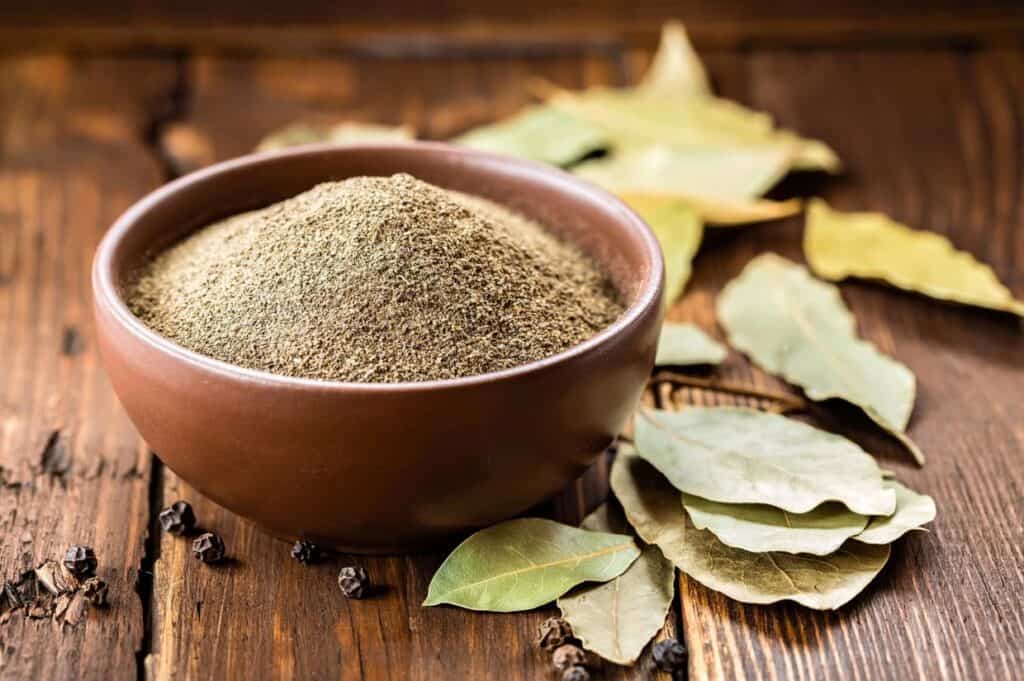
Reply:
x=95, y=591
x=576, y=674
x=669, y=656
x=568, y=655
x=80, y=560
x=354, y=582
x=178, y=518
x=208, y=548
x=554, y=632
x=306, y=552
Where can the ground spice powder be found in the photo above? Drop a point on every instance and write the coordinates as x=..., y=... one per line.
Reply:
x=375, y=279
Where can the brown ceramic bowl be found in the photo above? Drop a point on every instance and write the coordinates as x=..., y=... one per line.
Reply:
x=379, y=467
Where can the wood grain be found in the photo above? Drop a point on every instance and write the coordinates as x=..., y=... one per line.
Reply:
x=72, y=468
x=411, y=26
x=933, y=137
x=265, y=614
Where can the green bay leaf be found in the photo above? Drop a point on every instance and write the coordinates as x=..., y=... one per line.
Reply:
x=525, y=563
x=873, y=246
x=744, y=456
x=913, y=511
x=820, y=582
x=616, y=620
x=798, y=327
x=679, y=232
x=761, y=528
x=687, y=345
x=341, y=133
x=541, y=133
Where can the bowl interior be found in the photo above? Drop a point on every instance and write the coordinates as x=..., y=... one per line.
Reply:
x=599, y=224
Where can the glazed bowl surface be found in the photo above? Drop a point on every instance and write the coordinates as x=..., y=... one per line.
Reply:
x=379, y=467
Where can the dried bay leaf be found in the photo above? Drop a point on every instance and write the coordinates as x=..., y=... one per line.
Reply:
x=798, y=327
x=676, y=69
x=679, y=232
x=617, y=619
x=760, y=528
x=525, y=563
x=687, y=344
x=720, y=212
x=722, y=173
x=873, y=246
x=913, y=510
x=727, y=212
x=743, y=456
x=342, y=133
x=633, y=118
x=541, y=133
x=820, y=582
x=661, y=175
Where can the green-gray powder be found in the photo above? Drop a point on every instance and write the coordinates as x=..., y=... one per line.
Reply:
x=375, y=279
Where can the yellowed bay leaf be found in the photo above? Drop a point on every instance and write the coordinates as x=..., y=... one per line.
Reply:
x=541, y=133
x=744, y=456
x=523, y=564
x=872, y=246
x=617, y=619
x=798, y=327
x=342, y=133
x=679, y=231
x=720, y=212
x=654, y=510
x=676, y=69
x=687, y=345
x=728, y=213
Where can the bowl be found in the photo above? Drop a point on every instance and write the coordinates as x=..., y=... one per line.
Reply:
x=379, y=468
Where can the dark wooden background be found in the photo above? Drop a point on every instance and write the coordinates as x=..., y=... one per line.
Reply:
x=100, y=104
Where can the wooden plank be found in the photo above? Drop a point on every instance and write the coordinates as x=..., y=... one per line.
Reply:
x=934, y=140
x=273, y=26
x=265, y=616
x=72, y=469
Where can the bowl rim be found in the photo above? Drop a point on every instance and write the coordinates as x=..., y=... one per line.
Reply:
x=106, y=294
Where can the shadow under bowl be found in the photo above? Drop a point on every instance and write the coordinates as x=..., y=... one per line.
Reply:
x=379, y=467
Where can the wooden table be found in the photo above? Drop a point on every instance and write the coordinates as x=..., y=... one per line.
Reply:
x=932, y=131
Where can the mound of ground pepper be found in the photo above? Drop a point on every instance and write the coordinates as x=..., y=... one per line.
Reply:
x=375, y=279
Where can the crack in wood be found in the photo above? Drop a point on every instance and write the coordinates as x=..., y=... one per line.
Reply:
x=174, y=108
x=147, y=567
x=55, y=459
